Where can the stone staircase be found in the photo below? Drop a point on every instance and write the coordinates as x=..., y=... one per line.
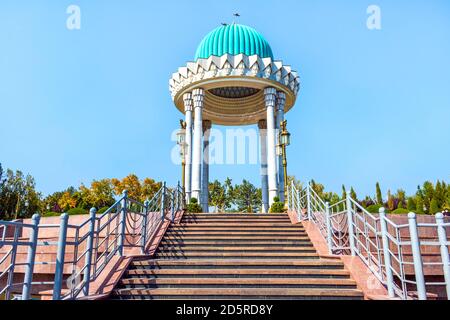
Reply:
x=236, y=256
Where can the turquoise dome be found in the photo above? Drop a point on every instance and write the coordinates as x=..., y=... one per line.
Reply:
x=233, y=39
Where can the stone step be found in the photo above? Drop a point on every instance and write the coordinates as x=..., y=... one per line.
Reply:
x=234, y=224
x=240, y=263
x=236, y=282
x=241, y=242
x=237, y=215
x=243, y=221
x=234, y=237
x=168, y=248
x=286, y=272
x=224, y=233
x=222, y=256
x=266, y=293
x=237, y=255
x=240, y=228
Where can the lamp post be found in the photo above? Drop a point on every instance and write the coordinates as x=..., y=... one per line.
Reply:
x=284, y=139
x=181, y=141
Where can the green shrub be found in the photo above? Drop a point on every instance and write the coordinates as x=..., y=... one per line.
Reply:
x=194, y=207
x=374, y=208
x=51, y=214
x=102, y=210
x=277, y=206
x=76, y=211
x=400, y=211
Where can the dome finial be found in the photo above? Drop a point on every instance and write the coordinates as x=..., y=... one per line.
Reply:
x=237, y=15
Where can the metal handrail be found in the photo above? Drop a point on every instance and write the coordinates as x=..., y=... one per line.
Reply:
x=86, y=249
x=389, y=250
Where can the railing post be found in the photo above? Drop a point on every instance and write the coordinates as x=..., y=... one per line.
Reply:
x=444, y=250
x=123, y=222
x=163, y=199
x=351, y=233
x=178, y=197
x=386, y=254
x=144, y=227
x=286, y=200
x=60, y=255
x=308, y=200
x=329, y=228
x=29, y=267
x=417, y=256
x=172, y=209
x=89, y=249
x=299, y=206
x=10, y=279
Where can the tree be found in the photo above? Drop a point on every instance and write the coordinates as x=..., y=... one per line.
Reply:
x=419, y=205
x=149, y=188
x=247, y=197
x=318, y=188
x=344, y=193
x=50, y=203
x=428, y=193
x=390, y=201
x=411, y=205
x=137, y=190
x=434, y=206
x=367, y=202
x=67, y=201
x=217, y=196
x=447, y=197
x=297, y=183
x=100, y=194
x=2, y=181
x=439, y=194
x=378, y=194
x=353, y=194
x=18, y=197
x=400, y=198
x=229, y=194
x=130, y=183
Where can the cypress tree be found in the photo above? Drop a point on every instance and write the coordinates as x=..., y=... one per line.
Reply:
x=411, y=206
x=378, y=194
x=434, y=206
x=419, y=205
x=390, y=201
x=439, y=194
x=353, y=194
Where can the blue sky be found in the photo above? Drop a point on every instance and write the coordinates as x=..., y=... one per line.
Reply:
x=94, y=103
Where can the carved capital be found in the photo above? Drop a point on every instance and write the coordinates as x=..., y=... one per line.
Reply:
x=281, y=100
x=270, y=97
x=198, y=96
x=187, y=99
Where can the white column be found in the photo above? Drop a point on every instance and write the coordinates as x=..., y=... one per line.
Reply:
x=187, y=98
x=197, y=97
x=270, y=99
x=205, y=169
x=281, y=101
x=262, y=126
